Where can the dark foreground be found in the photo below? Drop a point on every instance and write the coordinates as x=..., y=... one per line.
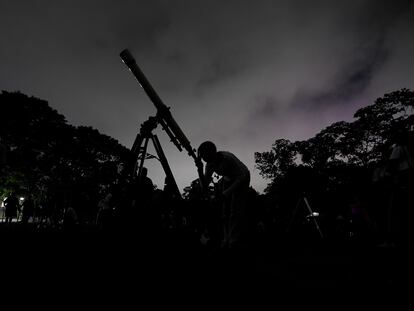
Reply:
x=126, y=267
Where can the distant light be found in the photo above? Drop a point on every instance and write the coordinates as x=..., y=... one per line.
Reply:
x=21, y=198
x=315, y=214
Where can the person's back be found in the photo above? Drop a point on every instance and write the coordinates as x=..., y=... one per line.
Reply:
x=230, y=166
x=234, y=172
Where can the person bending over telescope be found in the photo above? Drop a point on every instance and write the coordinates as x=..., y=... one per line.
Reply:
x=236, y=180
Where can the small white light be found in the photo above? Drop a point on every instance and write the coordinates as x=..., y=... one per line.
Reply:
x=315, y=214
x=21, y=198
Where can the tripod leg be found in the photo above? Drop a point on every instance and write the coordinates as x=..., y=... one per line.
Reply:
x=165, y=165
x=143, y=155
x=295, y=211
x=137, y=144
x=314, y=220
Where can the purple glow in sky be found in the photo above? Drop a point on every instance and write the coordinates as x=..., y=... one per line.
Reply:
x=239, y=73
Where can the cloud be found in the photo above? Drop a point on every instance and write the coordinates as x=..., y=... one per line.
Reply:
x=223, y=67
x=264, y=106
x=351, y=80
x=241, y=73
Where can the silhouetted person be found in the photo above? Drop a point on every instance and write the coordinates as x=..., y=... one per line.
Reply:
x=39, y=213
x=380, y=197
x=169, y=188
x=28, y=210
x=361, y=225
x=402, y=161
x=146, y=186
x=104, y=218
x=70, y=219
x=401, y=169
x=139, y=193
x=146, y=193
x=12, y=206
x=236, y=180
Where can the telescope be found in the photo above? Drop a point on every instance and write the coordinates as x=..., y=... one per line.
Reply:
x=163, y=117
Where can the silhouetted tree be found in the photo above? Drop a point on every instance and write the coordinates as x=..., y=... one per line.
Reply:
x=343, y=146
x=44, y=153
x=337, y=163
x=275, y=163
x=325, y=149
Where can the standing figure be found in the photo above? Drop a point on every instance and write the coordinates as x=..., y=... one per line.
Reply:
x=28, y=210
x=12, y=206
x=234, y=193
x=401, y=169
x=104, y=217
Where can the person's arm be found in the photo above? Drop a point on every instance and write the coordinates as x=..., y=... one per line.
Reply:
x=242, y=178
x=239, y=172
x=208, y=176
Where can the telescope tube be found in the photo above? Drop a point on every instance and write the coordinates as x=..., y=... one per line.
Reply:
x=163, y=112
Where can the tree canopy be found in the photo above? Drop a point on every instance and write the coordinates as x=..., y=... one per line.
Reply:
x=45, y=154
x=343, y=146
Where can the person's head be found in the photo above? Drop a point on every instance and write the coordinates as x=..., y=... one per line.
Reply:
x=207, y=151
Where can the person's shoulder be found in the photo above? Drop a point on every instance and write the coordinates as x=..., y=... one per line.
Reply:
x=226, y=154
x=229, y=156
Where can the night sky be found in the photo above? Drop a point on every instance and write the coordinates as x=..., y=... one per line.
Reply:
x=239, y=73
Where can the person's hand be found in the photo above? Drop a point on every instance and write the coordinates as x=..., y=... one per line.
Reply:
x=217, y=197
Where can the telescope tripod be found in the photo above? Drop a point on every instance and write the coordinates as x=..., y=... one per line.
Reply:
x=139, y=150
x=303, y=199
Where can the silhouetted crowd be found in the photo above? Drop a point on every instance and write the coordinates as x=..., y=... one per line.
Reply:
x=376, y=209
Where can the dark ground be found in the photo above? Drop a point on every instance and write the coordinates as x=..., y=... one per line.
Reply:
x=102, y=267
